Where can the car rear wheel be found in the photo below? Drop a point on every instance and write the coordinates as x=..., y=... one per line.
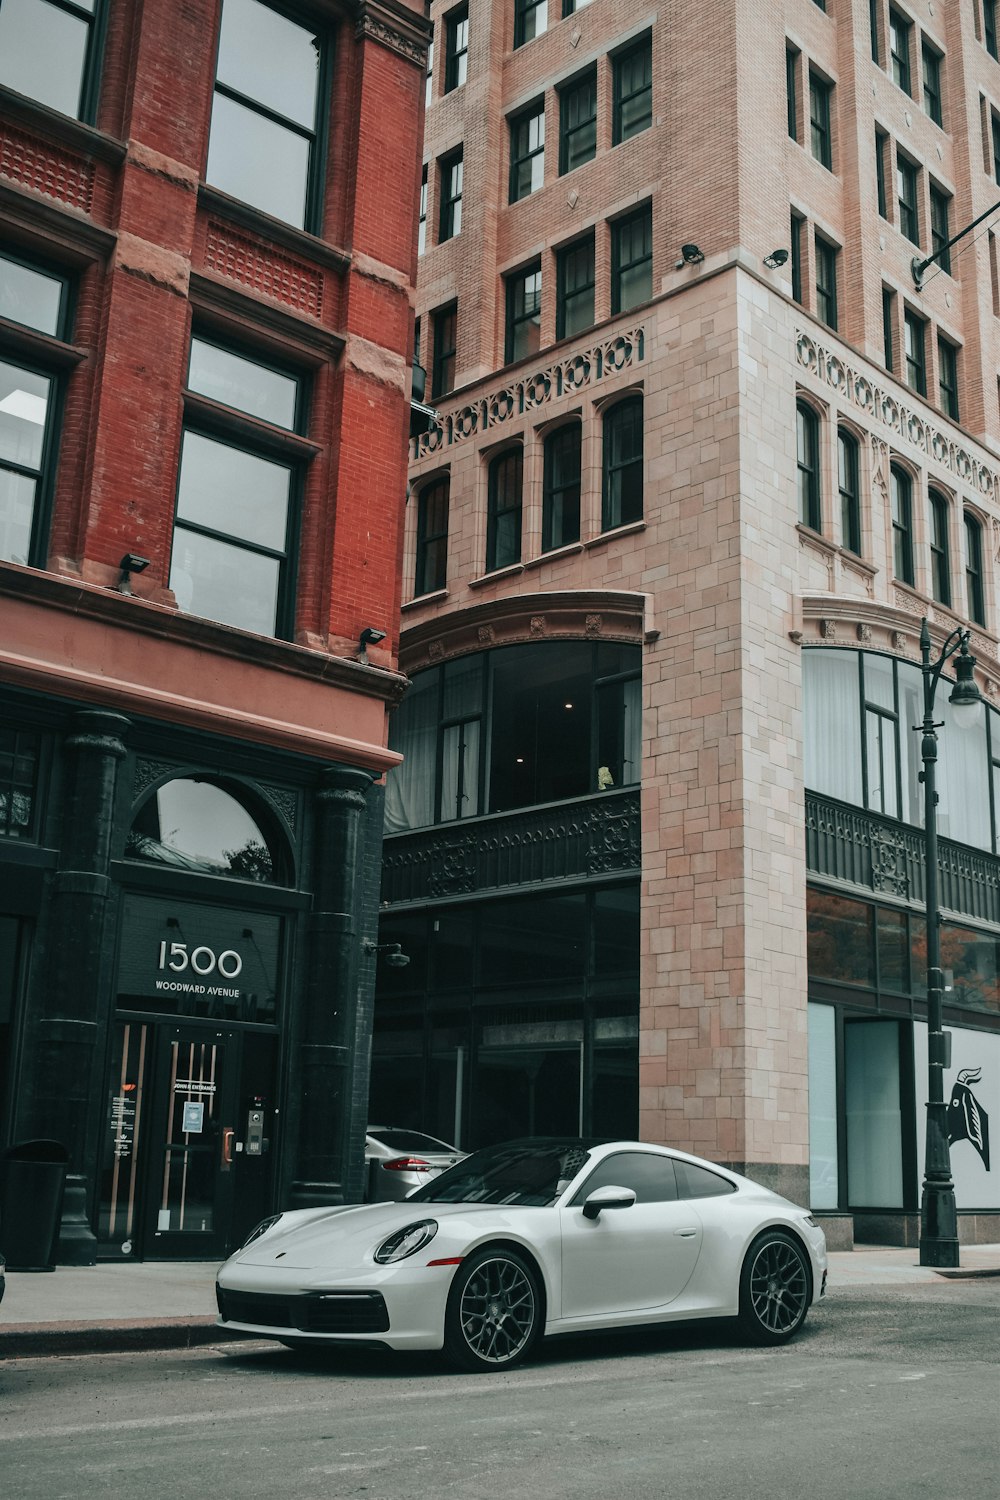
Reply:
x=494, y=1311
x=774, y=1289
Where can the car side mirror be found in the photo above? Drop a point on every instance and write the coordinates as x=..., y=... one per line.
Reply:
x=607, y=1197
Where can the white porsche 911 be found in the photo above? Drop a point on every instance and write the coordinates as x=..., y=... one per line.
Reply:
x=533, y=1237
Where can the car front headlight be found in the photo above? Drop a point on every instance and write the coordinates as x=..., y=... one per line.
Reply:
x=262, y=1228
x=406, y=1241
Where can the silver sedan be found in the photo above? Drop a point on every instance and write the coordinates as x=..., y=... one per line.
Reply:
x=397, y=1161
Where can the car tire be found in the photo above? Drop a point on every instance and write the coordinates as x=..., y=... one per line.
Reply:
x=494, y=1313
x=775, y=1288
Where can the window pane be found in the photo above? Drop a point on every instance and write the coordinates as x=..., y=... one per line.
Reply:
x=24, y=403
x=893, y=960
x=832, y=714
x=823, y=1175
x=30, y=297
x=409, y=788
x=879, y=681
x=243, y=383
x=839, y=941
x=17, y=509
x=43, y=52
x=226, y=583
x=205, y=825
x=874, y=1125
x=226, y=489
x=258, y=161
x=616, y=930
x=650, y=1177
x=270, y=59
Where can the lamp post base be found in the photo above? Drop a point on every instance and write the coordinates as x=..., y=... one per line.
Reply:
x=940, y=1252
x=938, y=1227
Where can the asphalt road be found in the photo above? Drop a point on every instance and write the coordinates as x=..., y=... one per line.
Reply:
x=888, y=1392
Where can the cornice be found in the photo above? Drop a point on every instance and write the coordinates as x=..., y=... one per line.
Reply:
x=393, y=27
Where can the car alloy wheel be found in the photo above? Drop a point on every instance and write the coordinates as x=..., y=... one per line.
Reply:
x=494, y=1311
x=774, y=1288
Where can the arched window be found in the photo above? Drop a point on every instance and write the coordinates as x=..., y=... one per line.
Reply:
x=807, y=445
x=194, y=824
x=901, y=490
x=503, y=520
x=974, y=570
x=940, y=550
x=432, y=538
x=561, y=488
x=849, y=470
x=623, y=463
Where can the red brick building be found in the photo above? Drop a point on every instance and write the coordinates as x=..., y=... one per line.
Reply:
x=205, y=343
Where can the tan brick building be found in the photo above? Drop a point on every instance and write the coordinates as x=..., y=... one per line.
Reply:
x=701, y=425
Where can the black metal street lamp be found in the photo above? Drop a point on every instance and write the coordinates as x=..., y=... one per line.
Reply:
x=938, y=1217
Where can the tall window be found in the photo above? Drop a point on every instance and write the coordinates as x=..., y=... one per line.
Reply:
x=796, y=231
x=632, y=260
x=35, y=300
x=450, y=217
x=990, y=27
x=422, y=222
x=456, y=59
x=531, y=18
x=995, y=142
x=622, y=489
x=888, y=327
x=873, y=29
x=791, y=92
x=820, y=131
x=524, y=313
x=234, y=532
x=632, y=78
x=826, y=282
x=578, y=122
x=849, y=480
x=429, y=83
x=445, y=322
x=575, y=288
x=561, y=488
x=906, y=193
x=49, y=51
x=881, y=152
x=974, y=570
x=915, y=352
x=807, y=459
x=503, y=517
x=900, y=31
x=948, y=378
x=940, y=226
x=940, y=550
x=527, y=152
x=931, y=61
x=901, y=493
x=432, y=538
x=263, y=145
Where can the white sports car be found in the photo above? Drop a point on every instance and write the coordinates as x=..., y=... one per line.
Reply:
x=529, y=1238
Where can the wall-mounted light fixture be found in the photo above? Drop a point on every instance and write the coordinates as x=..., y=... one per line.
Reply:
x=368, y=637
x=392, y=953
x=691, y=255
x=130, y=563
x=775, y=259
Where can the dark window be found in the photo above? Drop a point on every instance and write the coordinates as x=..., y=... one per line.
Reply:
x=650, y=1177
x=622, y=490
x=881, y=150
x=422, y=223
x=820, y=3
x=888, y=326
x=807, y=449
x=578, y=122
x=915, y=352
x=849, y=480
x=503, y=520
x=995, y=139
x=264, y=143
x=29, y=403
x=49, y=50
x=906, y=192
x=456, y=57
x=234, y=533
x=450, y=216
x=796, y=238
x=940, y=550
x=445, y=341
x=524, y=313
x=699, y=1182
x=826, y=282
x=575, y=288
x=531, y=18
x=840, y=940
x=990, y=26
x=632, y=74
x=900, y=31
x=901, y=487
x=632, y=260
x=940, y=227
x=432, y=538
x=974, y=569
x=791, y=92
x=527, y=152
x=873, y=28
x=19, y=756
x=561, y=488
x=429, y=84
x=820, y=134
x=932, y=83
x=948, y=378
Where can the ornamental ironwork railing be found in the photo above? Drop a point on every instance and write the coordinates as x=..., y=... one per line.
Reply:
x=861, y=849
x=585, y=840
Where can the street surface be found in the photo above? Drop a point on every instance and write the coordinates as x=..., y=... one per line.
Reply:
x=889, y=1392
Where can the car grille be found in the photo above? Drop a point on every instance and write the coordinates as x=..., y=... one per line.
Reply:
x=330, y=1312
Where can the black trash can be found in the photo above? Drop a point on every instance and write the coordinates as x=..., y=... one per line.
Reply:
x=32, y=1177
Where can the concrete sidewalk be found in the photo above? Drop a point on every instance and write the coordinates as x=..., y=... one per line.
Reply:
x=113, y=1307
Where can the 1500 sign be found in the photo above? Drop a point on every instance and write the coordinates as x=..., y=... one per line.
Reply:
x=201, y=961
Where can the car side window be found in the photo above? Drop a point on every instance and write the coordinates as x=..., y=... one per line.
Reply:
x=650, y=1177
x=698, y=1182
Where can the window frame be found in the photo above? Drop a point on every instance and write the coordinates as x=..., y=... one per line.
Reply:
x=881, y=177
x=456, y=48
x=990, y=28
x=940, y=225
x=614, y=466
x=901, y=62
x=431, y=563
x=827, y=258
x=908, y=198
x=497, y=512
x=901, y=510
x=974, y=592
x=443, y=366
x=91, y=70
x=948, y=399
x=526, y=11
x=796, y=228
x=932, y=82
x=422, y=212
x=523, y=120
x=849, y=488
x=940, y=546
x=915, y=351
x=583, y=86
x=513, y=321
x=792, y=56
x=641, y=49
x=451, y=172
x=807, y=459
x=889, y=327
x=821, y=119
x=556, y=485
x=579, y=254
x=641, y=217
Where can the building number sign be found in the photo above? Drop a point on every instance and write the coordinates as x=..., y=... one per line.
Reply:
x=201, y=960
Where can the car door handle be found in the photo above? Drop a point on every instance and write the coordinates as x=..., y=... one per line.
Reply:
x=685, y=1234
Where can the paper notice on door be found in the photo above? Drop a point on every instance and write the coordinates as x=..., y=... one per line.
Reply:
x=193, y=1121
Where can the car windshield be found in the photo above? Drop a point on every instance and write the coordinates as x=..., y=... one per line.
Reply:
x=526, y=1174
x=408, y=1140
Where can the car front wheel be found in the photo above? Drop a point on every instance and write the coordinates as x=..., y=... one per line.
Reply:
x=494, y=1311
x=774, y=1289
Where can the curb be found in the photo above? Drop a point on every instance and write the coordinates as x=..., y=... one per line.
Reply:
x=30, y=1340
x=972, y=1274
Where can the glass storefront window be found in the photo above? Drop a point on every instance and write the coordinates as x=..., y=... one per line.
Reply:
x=824, y=1182
x=832, y=724
x=893, y=950
x=840, y=939
x=971, y=960
x=874, y=1119
x=19, y=753
x=527, y=941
